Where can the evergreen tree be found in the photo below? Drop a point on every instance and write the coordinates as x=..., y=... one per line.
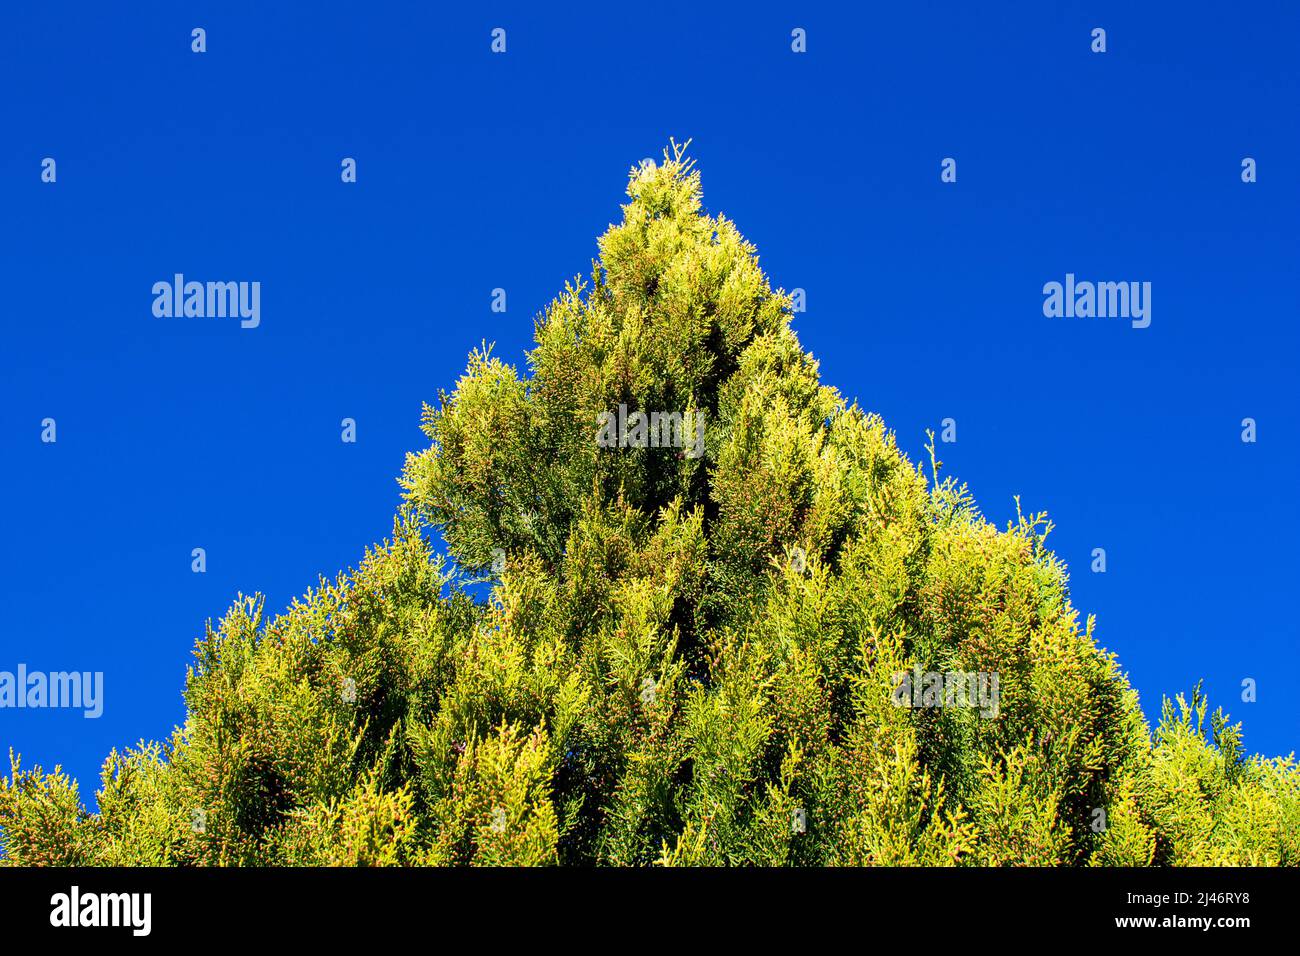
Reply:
x=691, y=651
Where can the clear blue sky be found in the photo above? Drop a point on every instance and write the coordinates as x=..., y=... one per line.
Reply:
x=479, y=171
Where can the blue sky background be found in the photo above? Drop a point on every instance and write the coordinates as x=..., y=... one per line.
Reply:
x=479, y=171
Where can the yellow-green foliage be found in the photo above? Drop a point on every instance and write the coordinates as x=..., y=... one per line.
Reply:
x=638, y=655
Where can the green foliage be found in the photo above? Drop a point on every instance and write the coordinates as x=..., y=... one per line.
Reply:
x=680, y=659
